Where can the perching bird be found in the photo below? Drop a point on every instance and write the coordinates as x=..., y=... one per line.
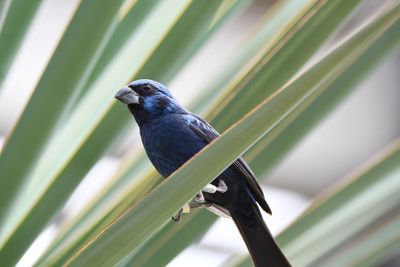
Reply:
x=171, y=136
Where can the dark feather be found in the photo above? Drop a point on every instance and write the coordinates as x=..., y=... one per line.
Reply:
x=208, y=134
x=262, y=247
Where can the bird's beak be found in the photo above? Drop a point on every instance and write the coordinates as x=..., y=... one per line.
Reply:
x=127, y=96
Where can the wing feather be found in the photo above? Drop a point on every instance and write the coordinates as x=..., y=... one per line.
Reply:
x=206, y=132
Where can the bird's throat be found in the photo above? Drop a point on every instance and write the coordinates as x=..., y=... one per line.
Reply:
x=141, y=116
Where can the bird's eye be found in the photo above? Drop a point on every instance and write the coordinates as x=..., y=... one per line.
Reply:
x=147, y=88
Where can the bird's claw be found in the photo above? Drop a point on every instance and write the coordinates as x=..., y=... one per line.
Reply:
x=197, y=203
x=222, y=187
x=178, y=216
x=199, y=200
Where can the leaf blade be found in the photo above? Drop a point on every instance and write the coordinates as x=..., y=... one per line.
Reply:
x=15, y=19
x=40, y=115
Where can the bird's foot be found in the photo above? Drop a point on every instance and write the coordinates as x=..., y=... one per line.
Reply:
x=186, y=209
x=178, y=216
x=199, y=200
x=210, y=188
x=222, y=187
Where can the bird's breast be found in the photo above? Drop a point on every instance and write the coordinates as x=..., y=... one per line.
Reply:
x=169, y=143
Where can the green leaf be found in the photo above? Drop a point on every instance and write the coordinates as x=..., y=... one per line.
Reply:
x=381, y=246
x=173, y=238
x=129, y=24
x=74, y=55
x=376, y=244
x=276, y=23
x=352, y=205
x=89, y=122
x=15, y=18
x=277, y=63
x=118, y=192
x=372, y=192
x=265, y=156
x=266, y=31
x=179, y=51
x=100, y=213
x=85, y=146
x=152, y=212
x=332, y=95
x=273, y=24
x=121, y=236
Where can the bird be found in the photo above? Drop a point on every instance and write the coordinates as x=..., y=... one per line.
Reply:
x=171, y=135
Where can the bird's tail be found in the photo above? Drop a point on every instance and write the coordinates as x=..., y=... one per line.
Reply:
x=259, y=241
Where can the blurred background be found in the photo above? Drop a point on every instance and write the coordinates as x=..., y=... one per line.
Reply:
x=365, y=122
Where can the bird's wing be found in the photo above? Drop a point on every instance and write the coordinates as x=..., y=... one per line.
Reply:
x=206, y=132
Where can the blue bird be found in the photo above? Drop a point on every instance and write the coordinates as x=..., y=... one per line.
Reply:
x=171, y=135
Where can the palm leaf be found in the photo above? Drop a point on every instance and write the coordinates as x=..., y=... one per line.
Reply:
x=143, y=219
x=15, y=18
x=266, y=90
x=303, y=124
x=361, y=199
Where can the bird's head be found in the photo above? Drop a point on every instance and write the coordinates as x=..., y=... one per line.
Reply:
x=148, y=97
